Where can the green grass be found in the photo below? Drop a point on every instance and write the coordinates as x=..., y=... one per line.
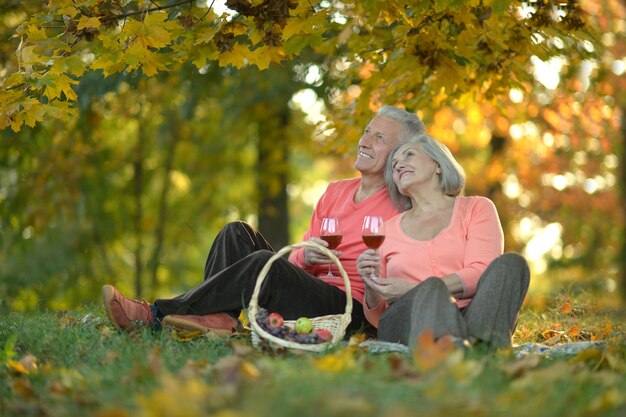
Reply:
x=85, y=368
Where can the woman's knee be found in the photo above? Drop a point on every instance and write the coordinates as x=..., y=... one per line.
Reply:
x=514, y=262
x=433, y=283
x=430, y=288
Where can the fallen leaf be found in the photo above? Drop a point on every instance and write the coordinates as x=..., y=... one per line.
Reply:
x=339, y=361
x=249, y=370
x=429, y=353
x=243, y=319
x=23, y=388
x=521, y=366
x=17, y=367
x=566, y=308
x=185, y=336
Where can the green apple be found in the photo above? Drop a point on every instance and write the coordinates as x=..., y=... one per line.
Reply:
x=304, y=325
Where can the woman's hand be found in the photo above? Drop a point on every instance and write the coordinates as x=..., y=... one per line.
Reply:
x=368, y=266
x=388, y=289
x=313, y=256
x=368, y=263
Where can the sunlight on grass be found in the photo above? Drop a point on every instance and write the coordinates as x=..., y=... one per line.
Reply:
x=71, y=363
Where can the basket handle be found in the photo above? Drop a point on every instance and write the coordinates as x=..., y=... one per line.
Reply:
x=254, y=300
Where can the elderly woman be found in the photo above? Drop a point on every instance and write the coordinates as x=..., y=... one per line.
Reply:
x=441, y=266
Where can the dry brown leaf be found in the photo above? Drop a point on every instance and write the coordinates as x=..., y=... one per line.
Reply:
x=566, y=308
x=23, y=388
x=429, y=353
x=521, y=366
x=249, y=370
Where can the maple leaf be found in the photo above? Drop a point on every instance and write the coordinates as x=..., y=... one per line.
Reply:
x=86, y=22
x=206, y=34
x=175, y=398
x=70, y=11
x=429, y=353
x=237, y=57
x=55, y=86
x=34, y=114
x=36, y=33
x=263, y=56
x=249, y=370
x=137, y=55
x=184, y=335
x=337, y=362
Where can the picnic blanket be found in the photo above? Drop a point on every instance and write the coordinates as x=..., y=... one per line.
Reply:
x=559, y=349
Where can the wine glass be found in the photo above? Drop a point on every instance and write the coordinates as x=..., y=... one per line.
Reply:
x=331, y=233
x=373, y=233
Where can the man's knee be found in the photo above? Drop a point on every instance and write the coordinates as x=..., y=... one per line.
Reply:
x=234, y=227
x=261, y=256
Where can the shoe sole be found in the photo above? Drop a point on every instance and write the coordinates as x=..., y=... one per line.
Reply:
x=107, y=296
x=189, y=326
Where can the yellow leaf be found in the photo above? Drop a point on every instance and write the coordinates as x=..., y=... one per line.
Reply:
x=36, y=33
x=157, y=29
x=263, y=56
x=235, y=28
x=206, y=34
x=607, y=401
x=27, y=55
x=61, y=85
x=88, y=23
x=32, y=113
x=70, y=11
x=185, y=336
x=243, y=318
x=237, y=57
x=109, y=64
x=340, y=361
x=249, y=370
x=17, y=367
x=137, y=55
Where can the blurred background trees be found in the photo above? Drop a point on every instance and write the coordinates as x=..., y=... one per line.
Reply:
x=132, y=187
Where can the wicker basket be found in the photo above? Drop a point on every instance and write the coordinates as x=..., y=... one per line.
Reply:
x=336, y=324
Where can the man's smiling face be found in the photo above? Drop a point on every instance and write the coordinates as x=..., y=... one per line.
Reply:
x=381, y=135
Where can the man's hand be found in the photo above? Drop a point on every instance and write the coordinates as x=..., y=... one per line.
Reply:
x=313, y=256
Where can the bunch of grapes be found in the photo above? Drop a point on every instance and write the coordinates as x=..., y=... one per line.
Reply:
x=284, y=331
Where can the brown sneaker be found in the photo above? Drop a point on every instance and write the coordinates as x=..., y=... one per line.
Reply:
x=123, y=312
x=218, y=324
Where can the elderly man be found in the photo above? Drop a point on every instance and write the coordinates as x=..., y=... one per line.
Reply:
x=296, y=287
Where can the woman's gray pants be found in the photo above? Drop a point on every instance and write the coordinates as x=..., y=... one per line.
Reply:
x=490, y=317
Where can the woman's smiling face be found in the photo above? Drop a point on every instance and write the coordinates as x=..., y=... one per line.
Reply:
x=412, y=167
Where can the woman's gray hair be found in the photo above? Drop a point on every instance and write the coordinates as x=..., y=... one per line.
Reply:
x=451, y=178
x=412, y=124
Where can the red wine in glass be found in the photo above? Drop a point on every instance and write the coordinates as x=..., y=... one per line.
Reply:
x=331, y=233
x=332, y=240
x=373, y=233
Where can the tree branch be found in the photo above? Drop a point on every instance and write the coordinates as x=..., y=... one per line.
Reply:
x=152, y=9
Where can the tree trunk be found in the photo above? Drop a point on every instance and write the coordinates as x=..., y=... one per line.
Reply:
x=159, y=234
x=138, y=217
x=272, y=177
x=622, y=182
